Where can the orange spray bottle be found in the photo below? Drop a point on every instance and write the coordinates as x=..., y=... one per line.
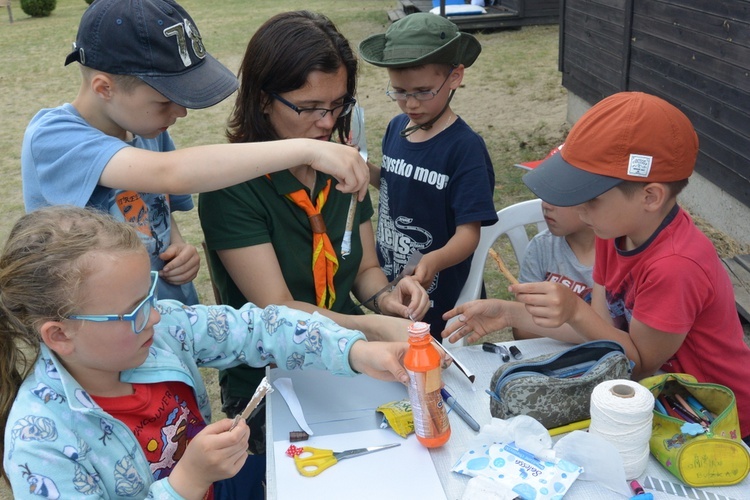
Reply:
x=422, y=362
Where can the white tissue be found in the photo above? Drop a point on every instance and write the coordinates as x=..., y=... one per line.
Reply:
x=600, y=460
x=487, y=488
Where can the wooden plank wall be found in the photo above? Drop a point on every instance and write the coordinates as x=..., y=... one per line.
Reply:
x=592, y=47
x=694, y=53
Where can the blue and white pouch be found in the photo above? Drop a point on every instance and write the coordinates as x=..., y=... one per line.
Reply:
x=528, y=476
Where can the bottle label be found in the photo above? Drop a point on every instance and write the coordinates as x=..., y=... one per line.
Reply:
x=428, y=410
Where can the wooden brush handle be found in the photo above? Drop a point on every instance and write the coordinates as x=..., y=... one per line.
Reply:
x=501, y=266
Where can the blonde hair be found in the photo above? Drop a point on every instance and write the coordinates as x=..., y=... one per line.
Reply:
x=42, y=267
x=127, y=83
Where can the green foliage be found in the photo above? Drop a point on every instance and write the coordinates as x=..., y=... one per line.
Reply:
x=38, y=8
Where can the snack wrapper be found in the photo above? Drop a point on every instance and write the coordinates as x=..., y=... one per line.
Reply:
x=398, y=416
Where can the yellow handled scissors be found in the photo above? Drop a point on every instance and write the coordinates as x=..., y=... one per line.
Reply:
x=313, y=461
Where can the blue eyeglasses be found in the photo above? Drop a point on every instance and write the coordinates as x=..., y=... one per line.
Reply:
x=315, y=114
x=138, y=318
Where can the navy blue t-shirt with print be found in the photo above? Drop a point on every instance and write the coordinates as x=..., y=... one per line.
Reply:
x=427, y=189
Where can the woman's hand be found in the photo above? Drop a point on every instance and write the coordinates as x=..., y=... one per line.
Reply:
x=407, y=300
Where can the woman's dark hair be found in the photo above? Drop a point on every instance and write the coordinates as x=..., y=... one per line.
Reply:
x=278, y=59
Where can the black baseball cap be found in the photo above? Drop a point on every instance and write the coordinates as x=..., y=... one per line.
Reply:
x=156, y=41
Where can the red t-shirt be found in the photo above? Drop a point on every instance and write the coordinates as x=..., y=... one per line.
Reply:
x=675, y=282
x=164, y=417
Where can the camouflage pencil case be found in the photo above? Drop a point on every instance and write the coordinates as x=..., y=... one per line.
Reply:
x=555, y=389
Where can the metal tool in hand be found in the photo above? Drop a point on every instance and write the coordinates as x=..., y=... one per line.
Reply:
x=313, y=461
x=408, y=270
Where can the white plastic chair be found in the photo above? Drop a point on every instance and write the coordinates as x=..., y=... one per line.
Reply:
x=512, y=221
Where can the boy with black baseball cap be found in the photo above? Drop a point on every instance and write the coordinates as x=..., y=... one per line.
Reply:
x=143, y=64
x=660, y=289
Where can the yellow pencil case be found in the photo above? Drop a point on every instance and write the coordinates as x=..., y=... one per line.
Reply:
x=716, y=457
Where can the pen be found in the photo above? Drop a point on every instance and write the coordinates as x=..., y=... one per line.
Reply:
x=660, y=407
x=699, y=408
x=499, y=349
x=574, y=426
x=639, y=493
x=636, y=487
x=683, y=405
x=515, y=352
x=459, y=409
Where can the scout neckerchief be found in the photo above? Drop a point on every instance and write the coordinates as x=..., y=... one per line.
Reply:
x=324, y=260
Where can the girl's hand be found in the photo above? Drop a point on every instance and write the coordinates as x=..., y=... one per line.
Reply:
x=213, y=454
x=380, y=360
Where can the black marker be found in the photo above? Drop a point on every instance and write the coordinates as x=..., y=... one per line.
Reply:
x=515, y=352
x=498, y=349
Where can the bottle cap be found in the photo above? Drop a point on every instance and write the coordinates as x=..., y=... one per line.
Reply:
x=419, y=329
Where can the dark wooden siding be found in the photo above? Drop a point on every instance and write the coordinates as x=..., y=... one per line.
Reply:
x=694, y=53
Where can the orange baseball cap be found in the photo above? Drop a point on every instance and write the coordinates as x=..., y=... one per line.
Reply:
x=629, y=136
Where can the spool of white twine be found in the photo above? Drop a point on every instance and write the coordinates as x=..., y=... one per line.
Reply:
x=621, y=413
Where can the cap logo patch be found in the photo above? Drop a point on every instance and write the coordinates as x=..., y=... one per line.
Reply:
x=639, y=165
x=183, y=31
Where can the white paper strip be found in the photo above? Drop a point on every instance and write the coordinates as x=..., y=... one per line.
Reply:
x=286, y=389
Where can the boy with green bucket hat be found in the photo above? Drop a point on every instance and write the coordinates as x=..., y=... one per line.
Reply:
x=436, y=177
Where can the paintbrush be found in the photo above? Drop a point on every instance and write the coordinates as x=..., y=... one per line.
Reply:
x=501, y=266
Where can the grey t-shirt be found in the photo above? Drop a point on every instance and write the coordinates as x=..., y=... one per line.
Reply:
x=550, y=258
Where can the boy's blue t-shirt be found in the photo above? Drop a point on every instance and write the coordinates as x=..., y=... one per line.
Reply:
x=427, y=189
x=62, y=159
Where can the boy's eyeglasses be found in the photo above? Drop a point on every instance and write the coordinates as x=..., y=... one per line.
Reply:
x=425, y=95
x=138, y=318
x=315, y=114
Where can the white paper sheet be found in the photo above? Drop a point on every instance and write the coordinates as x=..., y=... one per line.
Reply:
x=404, y=471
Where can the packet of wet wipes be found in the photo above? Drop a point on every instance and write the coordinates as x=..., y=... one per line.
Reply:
x=398, y=416
x=527, y=475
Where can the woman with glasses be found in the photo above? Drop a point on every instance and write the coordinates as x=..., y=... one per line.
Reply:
x=278, y=239
x=102, y=395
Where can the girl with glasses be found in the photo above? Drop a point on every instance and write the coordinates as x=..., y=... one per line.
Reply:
x=278, y=239
x=102, y=394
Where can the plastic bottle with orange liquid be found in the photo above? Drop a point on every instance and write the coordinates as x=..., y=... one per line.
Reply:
x=422, y=361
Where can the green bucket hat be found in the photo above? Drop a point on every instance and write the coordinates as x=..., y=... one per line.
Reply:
x=417, y=39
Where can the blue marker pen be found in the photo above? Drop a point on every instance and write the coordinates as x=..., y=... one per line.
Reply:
x=459, y=409
x=698, y=407
x=660, y=407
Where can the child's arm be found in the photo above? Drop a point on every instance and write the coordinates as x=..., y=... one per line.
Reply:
x=461, y=245
x=257, y=273
x=208, y=168
x=182, y=259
